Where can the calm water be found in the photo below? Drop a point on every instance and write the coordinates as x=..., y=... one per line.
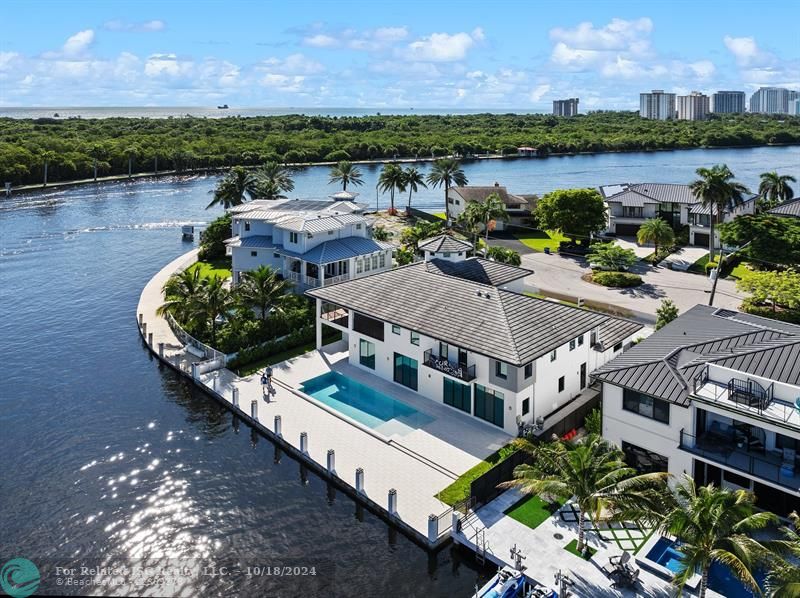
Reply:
x=105, y=455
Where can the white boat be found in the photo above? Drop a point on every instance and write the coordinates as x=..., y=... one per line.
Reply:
x=508, y=583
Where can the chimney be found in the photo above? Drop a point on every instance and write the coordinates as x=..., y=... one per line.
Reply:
x=496, y=184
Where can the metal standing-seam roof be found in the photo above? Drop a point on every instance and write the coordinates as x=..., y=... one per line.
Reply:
x=665, y=364
x=311, y=224
x=252, y=241
x=441, y=243
x=787, y=208
x=339, y=249
x=508, y=326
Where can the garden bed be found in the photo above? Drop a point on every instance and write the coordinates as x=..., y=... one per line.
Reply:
x=532, y=511
x=460, y=489
x=614, y=279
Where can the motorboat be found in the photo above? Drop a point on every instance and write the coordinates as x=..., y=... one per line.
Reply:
x=508, y=583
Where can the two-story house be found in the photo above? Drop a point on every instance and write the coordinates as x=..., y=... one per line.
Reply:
x=312, y=243
x=714, y=394
x=463, y=334
x=518, y=207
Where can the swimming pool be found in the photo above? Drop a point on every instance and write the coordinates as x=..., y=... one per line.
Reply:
x=667, y=553
x=364, y=404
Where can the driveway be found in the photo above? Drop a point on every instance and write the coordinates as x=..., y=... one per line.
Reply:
x=562, y=275
x=685, y=257
x=640, y=250
x=504, y=238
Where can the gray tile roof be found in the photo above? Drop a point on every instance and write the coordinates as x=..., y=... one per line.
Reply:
x=478, y=270
x=666, y=363
x=699, y=208
x=508, y=326
x=631, y=198
x=339, y=249
x=480, y=193
x=787, y=208
x=444, y=243
x=658, y=192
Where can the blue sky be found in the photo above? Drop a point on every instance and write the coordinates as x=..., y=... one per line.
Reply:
x=431, y=54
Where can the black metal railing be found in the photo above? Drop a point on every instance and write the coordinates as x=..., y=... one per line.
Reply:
x=730, y=454
x=461, y=371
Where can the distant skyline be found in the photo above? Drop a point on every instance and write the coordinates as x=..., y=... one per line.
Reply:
x=456, y=55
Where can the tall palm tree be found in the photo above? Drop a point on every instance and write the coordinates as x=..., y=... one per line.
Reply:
x=414, y=180
x=392, y=178
x=715, y=525
x=233, y=187
x=96, y=151
x=262, y=289
x=276, y=179
x=469, y=221
x=657, y=232
x=131, y=152
x=717, y=190
x=346, y=173
x=774, y=188
x=444, y=173
x=217, y=301
x=46, y=157
x=783, y=577
x=182, y=296
x=492, y=208
x=593, y=471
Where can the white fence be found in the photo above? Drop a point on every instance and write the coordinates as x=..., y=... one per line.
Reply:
x=208, y=353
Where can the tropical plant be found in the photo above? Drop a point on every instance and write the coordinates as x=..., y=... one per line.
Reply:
x=379, y=233
x=594, y=422
x=182, y=296
x=97, y=152
x=217, y=302
x=491, y=209
x=404, y=256
x=414, y=180
x=665, y=313
x=131, y=152
x=717, y=191
x=212, y=239
x=234, y=187
x=504, y=255
x=346, y=173
x=274, y=179
x=610, y=256
x=444, y=173
x=772, y=288
x=591, y=470
x=766, y=237
x=46, y=157
x=412, y=235
x=774, y=188
x=783, y=575
x=657, y=232
x=392, y=178
x=469, y=222
x=714, y=525
x=262, y=289
x=576, y=213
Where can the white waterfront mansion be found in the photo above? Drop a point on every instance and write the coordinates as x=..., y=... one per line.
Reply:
x=310, y=242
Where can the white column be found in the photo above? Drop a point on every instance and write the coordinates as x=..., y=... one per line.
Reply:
x=235, y=397
x=318, y=322
x=322, y=275
x=331, y=461
x=254, y=409
x=433, y=528
x=392, y=502
x=360, y=480
x=278, y=426
x=304, y=442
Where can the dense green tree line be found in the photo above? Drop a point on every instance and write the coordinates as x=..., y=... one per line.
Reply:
x=76, y=148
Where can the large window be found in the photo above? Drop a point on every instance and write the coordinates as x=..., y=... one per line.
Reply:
x=489, y=405
x=631, y=211
x=501, y=369
x=457, y=395
x=293, y=238
x=645, y=405
x=369, y=326
x=642, y=460
x=405, y=371
x=366, y=354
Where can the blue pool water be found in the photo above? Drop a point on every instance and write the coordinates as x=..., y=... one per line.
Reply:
x=364, y=404
x=667, y=553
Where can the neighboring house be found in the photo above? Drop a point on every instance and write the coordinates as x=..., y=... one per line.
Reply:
x=630, y=204
x=790, y=208
x=310, y=242
x=713, y=394
x=463, y=334
x=445, y=247
x=518, y=206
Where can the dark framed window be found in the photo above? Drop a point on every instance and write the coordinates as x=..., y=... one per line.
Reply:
x=526, y=406
x=395, y=329
x=561, y=384
x=366, y=354
x=293, y=238
x=501, y=369
x=580, y=340
x=457, y=395
x=528, y=370
x=645, y=405
x=553, y=355
x=618, y=347
x=405, y=371
x=414, y=338
x=369, y=326
x=253, y=254
x=489, y=405
x=246, y=225
x=443, y=350
x=572, y=344
x=644, y=461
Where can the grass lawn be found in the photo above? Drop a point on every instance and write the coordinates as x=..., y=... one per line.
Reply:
x=573, y=548
x=219, y=268
x=539, y=239
x=440, y=215
x=459, y=490
x=739, y=270
x=699, y=267
x=532, y=511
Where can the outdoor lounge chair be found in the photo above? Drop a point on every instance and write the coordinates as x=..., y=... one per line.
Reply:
x=620, y=559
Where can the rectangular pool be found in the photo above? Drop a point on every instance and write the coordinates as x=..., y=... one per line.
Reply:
x=365, y=405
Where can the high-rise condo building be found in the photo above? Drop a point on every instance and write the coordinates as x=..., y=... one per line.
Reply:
x=657, y=105
x=772, y=100
x=568, y=107
x=693, y=107
x=728, y=102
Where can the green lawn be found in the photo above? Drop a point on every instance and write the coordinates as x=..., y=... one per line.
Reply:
x=219, y=268
x=699, y=267
x=441, y=215
x=459, y=490
x=532, y=511
x=740, y=270
x=573, y=548
x=539, y=239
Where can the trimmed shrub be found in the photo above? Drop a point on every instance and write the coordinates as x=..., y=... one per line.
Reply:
x=710, y=266
x=617, y=279
x=212, y=246
x=784, y=315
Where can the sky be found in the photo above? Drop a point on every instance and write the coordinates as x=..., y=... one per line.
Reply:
x=433, y=54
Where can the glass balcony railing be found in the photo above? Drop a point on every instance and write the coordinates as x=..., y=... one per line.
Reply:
x=442, y=364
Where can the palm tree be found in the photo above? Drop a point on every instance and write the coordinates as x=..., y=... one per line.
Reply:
x=492, y=208
x=276, y=179
x=217, y=301
x=262, y=289
x=444, y=173
x=233, y=187
x=345, y=173
x=783, y=578
x=717, y=191
x=46, y=157
x=379, y=233
x=411, y=236
x=414, y=181
x=131, y=152
x=469, y=221
x=392, y=178
x=774, y=188
x=657, y=232
x=182, y=296
x=715, y=525
x=96, y=151
x=593, y=471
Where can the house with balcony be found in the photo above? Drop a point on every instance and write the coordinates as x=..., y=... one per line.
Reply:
x=630, y=204
x=715, y=394
x=518, y=207
x=312, y=243
x=462, y=333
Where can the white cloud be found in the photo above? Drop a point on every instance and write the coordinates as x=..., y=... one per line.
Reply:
x=747, y=53
x=619, y=34
x=538, y=92
x=702, y=68
x=321, y=40
x=443, y=47
x=169, y=65
x=390, y=34
x=120, y=25
x=78, y=43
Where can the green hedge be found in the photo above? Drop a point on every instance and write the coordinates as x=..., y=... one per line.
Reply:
x=784, y=315
x=617, y=279
x=299, y=337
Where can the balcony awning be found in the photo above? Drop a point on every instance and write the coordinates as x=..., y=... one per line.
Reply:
x=338, y=249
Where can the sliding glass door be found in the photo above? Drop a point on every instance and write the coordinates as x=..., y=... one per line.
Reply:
x=405, y=371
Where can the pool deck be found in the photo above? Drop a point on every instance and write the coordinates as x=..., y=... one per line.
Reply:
x=417, y=464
